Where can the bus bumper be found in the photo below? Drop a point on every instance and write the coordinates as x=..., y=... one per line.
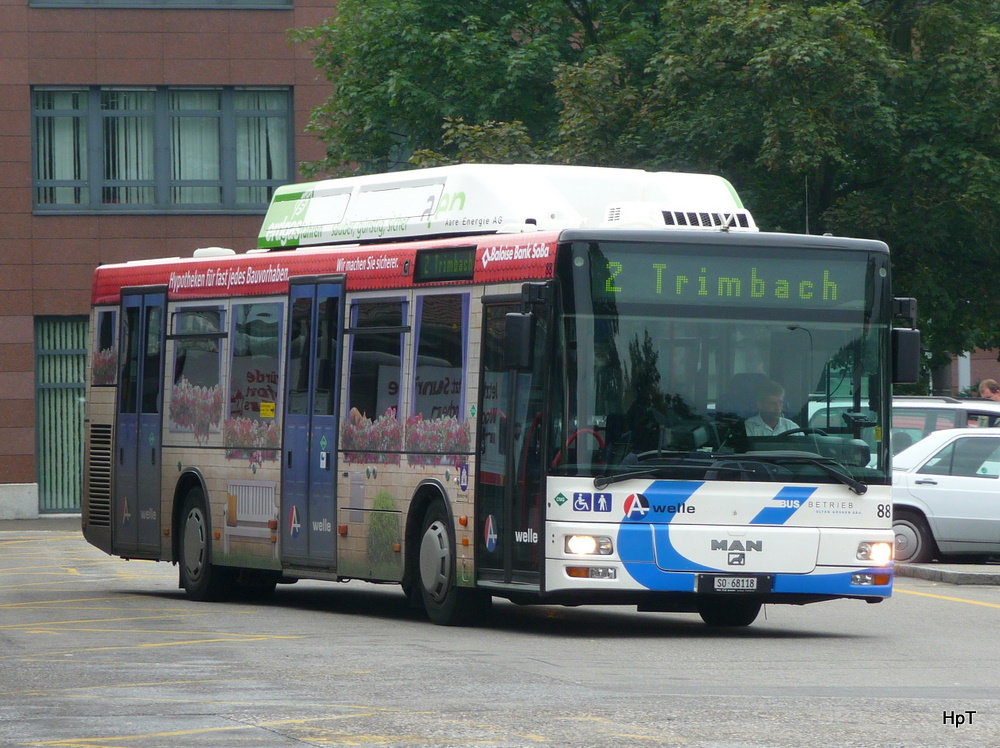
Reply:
x=772, y=561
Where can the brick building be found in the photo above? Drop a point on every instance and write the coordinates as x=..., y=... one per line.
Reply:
x=129, y=129
x=966, y=372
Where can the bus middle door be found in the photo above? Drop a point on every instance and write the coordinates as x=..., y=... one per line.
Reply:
x=139, y=426
x=309, y=470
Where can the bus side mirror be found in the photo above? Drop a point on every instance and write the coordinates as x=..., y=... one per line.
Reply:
x=905, y=356
x=519, y=341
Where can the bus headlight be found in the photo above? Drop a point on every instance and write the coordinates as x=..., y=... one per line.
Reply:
x=879, y=554
x=589, y=545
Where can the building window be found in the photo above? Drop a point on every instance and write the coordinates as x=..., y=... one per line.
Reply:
x=160, y=149
x=60, y=368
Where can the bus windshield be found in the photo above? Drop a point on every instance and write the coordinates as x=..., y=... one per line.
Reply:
x=722, y=362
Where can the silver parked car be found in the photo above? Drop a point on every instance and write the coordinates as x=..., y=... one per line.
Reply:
x=946, y=496
x=913, y=418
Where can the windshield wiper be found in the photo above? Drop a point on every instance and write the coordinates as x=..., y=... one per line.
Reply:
x=725, y=465
x=665, y=469
x=824, y=464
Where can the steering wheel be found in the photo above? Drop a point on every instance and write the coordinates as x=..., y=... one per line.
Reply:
x=821, y=432
x=572, y=438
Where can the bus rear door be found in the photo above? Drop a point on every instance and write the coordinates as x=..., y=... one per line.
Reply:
x=308, y=487
x=138, y=426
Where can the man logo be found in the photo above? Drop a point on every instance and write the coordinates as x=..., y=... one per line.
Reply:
x=738, y=545
x=636, y=505
x=737, y=559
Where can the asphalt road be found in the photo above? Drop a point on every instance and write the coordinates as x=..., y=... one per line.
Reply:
x=96, y=651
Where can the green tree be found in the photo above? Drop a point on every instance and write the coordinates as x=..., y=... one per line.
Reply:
x=936, y=202
x=873, y=118
x=774, y=94
x=399, y=68
x=489, y=142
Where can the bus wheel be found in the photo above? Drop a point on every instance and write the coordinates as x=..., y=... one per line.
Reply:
x=726, y=611
x=200, y=579
x=445, y=603
x=914, y=542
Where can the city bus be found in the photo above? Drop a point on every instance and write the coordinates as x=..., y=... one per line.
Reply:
x=517, y=381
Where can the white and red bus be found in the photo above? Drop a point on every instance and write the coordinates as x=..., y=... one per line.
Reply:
x=528, y=382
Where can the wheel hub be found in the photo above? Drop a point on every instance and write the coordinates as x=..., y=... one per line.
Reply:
x=906, y=542
x=435, y=560
x=194, y=545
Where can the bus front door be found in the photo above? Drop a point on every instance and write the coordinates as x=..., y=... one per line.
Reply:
x=509, y=518
x=138, y=426
x=308, y=486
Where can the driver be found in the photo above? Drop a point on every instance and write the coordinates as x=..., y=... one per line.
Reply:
x=770, y=403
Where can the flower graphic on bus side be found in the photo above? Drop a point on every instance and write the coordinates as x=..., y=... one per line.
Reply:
x=250, y=439
x=436, y=441
x=364, y=440
x=104, y=367
x=195, y=408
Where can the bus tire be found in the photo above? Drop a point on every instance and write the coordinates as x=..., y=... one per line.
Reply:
x=727, y=611
x=914, y=543
x=446, y=604
x=200, y=578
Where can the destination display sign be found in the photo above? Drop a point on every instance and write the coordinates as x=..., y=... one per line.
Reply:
x=451, y=264
x=641, y=274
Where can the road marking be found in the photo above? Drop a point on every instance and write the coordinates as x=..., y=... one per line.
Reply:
x=191, y=642
x=64, y=601
x=103, y=742
x=86, y=691
x=652, y=738
x=346, y=738
x=949, y=599
x=95, y=623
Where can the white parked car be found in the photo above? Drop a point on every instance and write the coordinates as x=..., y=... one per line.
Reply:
x=946, y=496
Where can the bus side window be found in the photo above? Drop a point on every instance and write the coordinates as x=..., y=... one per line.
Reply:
x=256, y=339
x=376, y=358
x=438, y=384
x=196, y=392
x=152, y=366
x=104, y=361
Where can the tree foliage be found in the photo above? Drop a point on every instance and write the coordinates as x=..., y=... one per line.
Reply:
x=399, y=68
x=874, y=118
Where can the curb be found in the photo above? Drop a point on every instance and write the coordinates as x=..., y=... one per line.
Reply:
x=948, y=575
x=45, y=522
